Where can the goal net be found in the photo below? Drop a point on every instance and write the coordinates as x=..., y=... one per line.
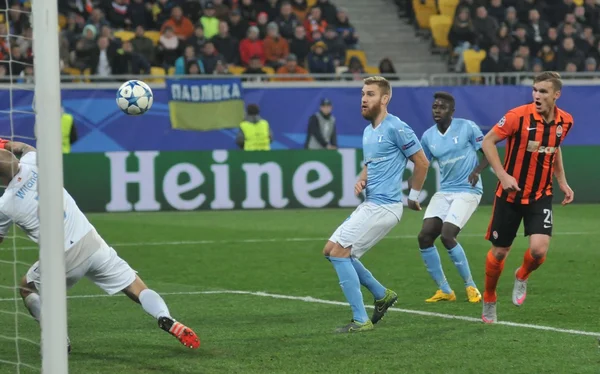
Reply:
x=29, y=70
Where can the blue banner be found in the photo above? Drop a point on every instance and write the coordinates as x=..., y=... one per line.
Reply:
x=103, y=127
x=205, y=105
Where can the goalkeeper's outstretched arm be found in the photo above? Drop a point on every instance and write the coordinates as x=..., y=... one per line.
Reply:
x=17, y=148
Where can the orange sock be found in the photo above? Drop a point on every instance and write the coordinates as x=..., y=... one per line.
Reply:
x=530, y=263
x=493, y=269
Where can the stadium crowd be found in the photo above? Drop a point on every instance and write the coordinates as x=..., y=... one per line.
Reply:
x=110, y=37
x=524, y=35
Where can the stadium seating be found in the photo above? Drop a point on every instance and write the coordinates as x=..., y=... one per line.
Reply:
x=356, y=53
x=440, y=27
x=423, y=11
x=448, y=7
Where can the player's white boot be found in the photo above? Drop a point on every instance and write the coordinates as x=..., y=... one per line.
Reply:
x=489, y=313
x=519, y=291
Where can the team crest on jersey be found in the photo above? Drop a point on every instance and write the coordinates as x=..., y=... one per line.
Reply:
x=501, y=122
x=559, y=131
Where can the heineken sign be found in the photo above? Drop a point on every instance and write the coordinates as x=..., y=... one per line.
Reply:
x=220, y=179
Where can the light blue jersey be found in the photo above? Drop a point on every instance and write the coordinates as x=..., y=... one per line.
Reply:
x=456, y=153
x=386, y=150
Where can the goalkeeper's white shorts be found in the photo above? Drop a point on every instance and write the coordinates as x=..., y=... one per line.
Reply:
x=104, y=267
x=366, y=226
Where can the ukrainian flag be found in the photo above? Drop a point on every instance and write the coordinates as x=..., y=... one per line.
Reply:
x=205, y=104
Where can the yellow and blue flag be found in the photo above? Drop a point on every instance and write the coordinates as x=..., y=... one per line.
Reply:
x=205, y=104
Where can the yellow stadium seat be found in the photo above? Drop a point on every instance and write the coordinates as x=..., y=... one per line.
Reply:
x=356, y=53
x=171, y=71
x=124, y=35
x=159, y=72
x=269, y=70
x=473, y=60
x=311, y=3
x=423, y=12
x=372, y=69
x=153, y=35
x=440, y=27
x=62, y=21
x=236, y=70
x=448, y=7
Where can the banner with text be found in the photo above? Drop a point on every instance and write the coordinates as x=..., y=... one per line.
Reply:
x=205, y=105
x=155, y=181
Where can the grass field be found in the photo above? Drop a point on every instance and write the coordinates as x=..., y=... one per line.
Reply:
x=283, y=321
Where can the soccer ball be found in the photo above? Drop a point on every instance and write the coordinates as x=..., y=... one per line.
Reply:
x=134, y=97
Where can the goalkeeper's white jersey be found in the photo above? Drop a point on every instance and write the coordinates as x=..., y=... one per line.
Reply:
x=19, y=204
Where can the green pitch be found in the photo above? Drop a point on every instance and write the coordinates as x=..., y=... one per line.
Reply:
x=283, y=321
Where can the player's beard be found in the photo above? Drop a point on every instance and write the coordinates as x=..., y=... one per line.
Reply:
x=371, y=113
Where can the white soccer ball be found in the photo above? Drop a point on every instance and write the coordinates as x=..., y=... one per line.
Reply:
x=134, y=97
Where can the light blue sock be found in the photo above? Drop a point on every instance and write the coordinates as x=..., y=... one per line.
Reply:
x=431, y=257
x=351, y=286
x=457, y=254
x=367, y=280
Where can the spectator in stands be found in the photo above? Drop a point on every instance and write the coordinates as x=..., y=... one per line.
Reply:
x=525, y=6
x=18, y=61
x=255, y=133
x=71, y=32
x=524, y=52
x=387, y=69
x=560, y=9
x=538, y=66
x=271, y=8
x=84, y=49
x=355, y=71
x=252, y=46
x=570, y=20
x=221, y=10
x=595, y=52
x=592, y=14
x=336, y=47
x=291, y=67
x=261, y=22
x=536, y=30
x=126, y=61
x=116, y=14
x=142, y=44
x=552, y=39
x=210, y=57
x=192, y=68
x=227, y=45
x=314, y=22
x=300, y=9
x=249, y=11
x=162, y=11
x=189, y=55
x=493, y=62
x=238, y=27
x=591, y=65
x=192, y=10
x=276, y=47
x=504, y=41
x=255, y=67
x=497, y=10
x=209, y=20
x=299, y=45
x=511, y=20
x=102, y=58
x=198, y=39
x=181, y=25
x=139, y=14
x=26, y=42
x=587, y=41
x=547, y=55
x=319, y=61
x=462, y=36
x=18, y=19
x=168, y=47
x=114, y=42
x=568, y=54
x=571, y=67
x=221, y=68
x=97, y=19
x=486, y=28
x=286, y=20
x=328, y=11
x=346, y=29
x=322, y=133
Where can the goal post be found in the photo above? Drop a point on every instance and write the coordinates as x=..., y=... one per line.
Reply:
x=50, y=186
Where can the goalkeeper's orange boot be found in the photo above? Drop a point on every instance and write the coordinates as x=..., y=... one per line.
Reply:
x=183, y=333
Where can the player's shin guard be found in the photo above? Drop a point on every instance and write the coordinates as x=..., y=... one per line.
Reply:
x=458, y=257
x=493, y=269
x=153, y=304
x=530, y=264
x=351, y=287
x=431, y=257
x=367, y=280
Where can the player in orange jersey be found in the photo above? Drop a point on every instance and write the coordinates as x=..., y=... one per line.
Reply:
x=533, y=133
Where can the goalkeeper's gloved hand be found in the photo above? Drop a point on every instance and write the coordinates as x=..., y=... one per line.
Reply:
x=3, y=143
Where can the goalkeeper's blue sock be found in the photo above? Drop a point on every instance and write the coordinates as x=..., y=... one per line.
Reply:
x=350, y=286
x=458, y=257
x=431, y=257
x=367, y=280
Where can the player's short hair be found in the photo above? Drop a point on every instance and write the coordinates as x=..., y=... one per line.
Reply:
x=381, y=82
x=445, y=96
x=549, y=76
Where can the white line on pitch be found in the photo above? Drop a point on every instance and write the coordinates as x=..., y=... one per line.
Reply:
x=309, y=299
x=271, y=240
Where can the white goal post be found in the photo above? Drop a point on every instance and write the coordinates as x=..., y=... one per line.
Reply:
x=50, y=186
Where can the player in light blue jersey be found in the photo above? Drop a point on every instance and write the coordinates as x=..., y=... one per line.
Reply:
x=387, y=145
x=454, y=143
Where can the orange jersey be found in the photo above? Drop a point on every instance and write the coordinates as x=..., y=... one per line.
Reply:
x=531, y=147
